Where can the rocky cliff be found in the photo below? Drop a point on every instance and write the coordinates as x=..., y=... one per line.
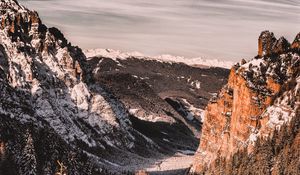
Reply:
x=260, y=96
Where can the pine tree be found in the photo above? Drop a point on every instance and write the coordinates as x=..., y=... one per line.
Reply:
x=27, y=160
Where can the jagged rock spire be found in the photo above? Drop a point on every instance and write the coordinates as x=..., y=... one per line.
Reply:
x=268, y=44
x=281, y=46
x=266, y=41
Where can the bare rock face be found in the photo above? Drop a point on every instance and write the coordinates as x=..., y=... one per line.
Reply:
x=260, y=96
x=296, y=43
x=281, y=46
x=268, y=44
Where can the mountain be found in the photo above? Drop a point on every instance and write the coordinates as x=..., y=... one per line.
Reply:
x=244, y=125
x=96, y=115
x=46, y=94
x=107, y=112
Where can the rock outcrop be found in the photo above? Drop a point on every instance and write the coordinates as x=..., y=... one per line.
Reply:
x=281, y=46
x=266, y=41
x=268, y=44
x=260, y=96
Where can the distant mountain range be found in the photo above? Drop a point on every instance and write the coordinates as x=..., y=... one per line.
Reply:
x=114, y=54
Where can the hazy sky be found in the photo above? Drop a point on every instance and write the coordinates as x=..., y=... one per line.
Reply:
x=223, y=29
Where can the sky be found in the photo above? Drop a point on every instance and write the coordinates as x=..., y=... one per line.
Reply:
x=212, y=29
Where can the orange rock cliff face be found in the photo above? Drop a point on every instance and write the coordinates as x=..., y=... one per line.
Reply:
x=242, y=110
x=296, y=43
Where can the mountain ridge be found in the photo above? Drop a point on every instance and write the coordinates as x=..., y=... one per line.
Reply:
x=197, y=62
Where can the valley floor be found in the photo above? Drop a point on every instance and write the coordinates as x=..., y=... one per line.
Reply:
x=178, y=163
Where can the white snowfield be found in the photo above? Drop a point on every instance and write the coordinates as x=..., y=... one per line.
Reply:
x=117, y=54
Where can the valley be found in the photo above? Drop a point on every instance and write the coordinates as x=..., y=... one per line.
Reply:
x=65, y=110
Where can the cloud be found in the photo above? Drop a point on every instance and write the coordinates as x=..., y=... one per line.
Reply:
x=211, y=28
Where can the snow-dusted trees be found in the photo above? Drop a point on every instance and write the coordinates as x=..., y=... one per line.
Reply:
x=27, y=159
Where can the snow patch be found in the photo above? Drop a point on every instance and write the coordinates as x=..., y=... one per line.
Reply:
x=193, y=111
x=133, y=111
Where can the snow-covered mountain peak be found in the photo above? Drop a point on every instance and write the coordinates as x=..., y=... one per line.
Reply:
x=116, y=54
